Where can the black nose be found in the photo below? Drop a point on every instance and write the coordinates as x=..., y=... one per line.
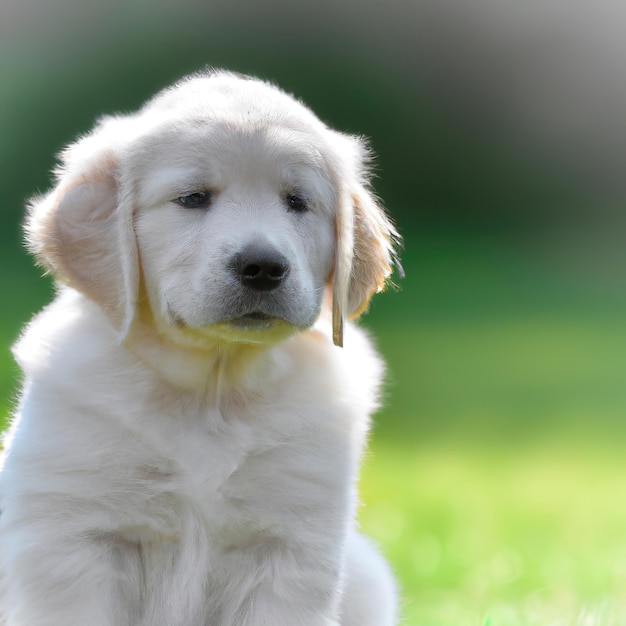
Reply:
x=260, y=268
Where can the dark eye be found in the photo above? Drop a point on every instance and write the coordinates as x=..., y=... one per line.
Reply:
x=197, y=200
x=296, y=202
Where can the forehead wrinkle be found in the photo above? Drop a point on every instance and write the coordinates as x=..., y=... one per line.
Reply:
x=165, y=181
x=221, y=150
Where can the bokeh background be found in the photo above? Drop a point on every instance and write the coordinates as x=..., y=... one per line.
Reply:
x=496, y=481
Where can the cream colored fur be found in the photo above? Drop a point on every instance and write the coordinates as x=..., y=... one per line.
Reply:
x=186, y=448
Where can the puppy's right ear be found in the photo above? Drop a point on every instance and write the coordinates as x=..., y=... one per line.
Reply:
x=82, y=232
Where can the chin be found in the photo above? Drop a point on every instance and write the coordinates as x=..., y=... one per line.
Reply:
x=253, y=330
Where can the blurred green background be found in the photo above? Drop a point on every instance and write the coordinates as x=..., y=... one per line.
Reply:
x=496, y=480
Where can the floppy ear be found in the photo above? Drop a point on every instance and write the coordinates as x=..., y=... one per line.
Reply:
x=82, y=232
x=365, y=253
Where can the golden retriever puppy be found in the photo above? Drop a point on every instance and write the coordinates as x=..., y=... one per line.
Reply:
x=188, y=437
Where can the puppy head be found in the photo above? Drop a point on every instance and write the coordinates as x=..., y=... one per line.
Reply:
x=221, y=211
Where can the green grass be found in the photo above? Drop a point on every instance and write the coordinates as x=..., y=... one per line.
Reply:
x=530, y=535
x=496, y=479
x=496, y=482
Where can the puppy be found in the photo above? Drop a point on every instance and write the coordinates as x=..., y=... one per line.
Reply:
x=188, y=437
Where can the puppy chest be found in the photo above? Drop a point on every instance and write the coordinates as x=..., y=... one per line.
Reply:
x=241, y=481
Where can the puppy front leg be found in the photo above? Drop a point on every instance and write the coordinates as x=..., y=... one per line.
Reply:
x=52, y=581
x=283, y=588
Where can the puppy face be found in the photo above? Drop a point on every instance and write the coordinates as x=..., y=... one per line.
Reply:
x=222, y=209
x=235, y=229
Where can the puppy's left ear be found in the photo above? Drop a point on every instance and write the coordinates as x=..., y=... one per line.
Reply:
x=366, y=249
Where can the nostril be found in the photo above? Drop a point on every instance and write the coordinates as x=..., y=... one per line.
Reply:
x=250, y=272
x=277, y=271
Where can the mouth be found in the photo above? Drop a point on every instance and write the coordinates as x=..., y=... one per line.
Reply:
x=255, y=327
x=255, y=320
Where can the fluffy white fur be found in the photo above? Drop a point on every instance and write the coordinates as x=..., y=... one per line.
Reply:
x=186, y=446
